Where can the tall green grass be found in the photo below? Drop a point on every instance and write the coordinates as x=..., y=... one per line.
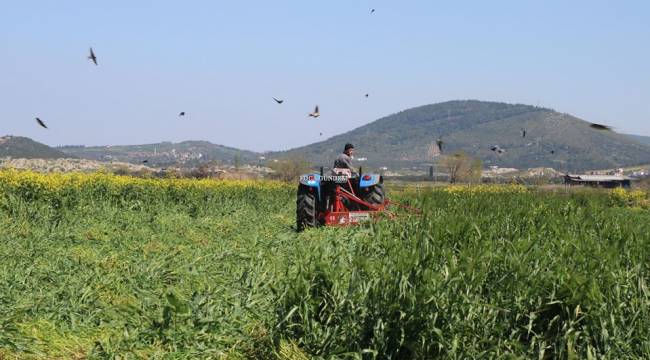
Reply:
x=136, y=271
x=139, y=271
x=477, y=276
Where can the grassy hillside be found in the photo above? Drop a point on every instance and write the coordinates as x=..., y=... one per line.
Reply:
x=186, y=152
x=22, y=147
x=403, y=139
x=640, y=139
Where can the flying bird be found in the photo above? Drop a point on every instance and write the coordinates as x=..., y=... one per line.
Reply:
x=41, y=123
x=372, y=11
x=497, y=149
x=367, y=95
x=316, y=113
x=92, y=56
x=278, y=101
x=321, y=134
x=523, y=133
x=439, y=143
x=600, y=127
x=182, y=113
x=552, y=151
x=145, y=161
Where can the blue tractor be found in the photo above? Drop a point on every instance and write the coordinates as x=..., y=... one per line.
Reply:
x=339, y=198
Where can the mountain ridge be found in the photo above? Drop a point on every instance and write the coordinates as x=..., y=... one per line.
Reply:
x=24, y=147
x=189, y=152
x=553, y=139
x=404, y=140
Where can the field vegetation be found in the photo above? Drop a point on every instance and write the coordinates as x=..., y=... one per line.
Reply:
x=105, y=266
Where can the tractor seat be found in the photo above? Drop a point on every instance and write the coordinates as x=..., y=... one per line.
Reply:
x=342, y=171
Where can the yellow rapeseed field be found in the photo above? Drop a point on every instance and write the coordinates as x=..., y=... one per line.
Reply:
x=631, y=198
x=59, y=181
x=485, y=189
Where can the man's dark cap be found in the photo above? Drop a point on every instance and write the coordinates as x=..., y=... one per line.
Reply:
x=348, y=146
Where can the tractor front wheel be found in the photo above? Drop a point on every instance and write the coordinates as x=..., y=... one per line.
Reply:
x=306, y=214
x=374, y=194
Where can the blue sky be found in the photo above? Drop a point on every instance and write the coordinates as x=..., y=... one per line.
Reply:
x=223, y=61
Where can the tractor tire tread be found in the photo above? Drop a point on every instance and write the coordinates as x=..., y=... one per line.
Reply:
x=305, y=210
x=376, y=195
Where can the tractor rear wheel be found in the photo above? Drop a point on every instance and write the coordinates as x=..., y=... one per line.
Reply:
x=306, y=214
x=374, y=194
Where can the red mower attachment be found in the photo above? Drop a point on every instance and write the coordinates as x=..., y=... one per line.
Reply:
x=341, y=215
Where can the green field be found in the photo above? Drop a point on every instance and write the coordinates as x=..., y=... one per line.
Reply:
x=110, y=267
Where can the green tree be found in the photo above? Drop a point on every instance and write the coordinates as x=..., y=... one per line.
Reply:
x=237, y=160
x=289, y=169
x=461, y=167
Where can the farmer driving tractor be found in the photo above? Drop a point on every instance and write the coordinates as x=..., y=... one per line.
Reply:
x=342, y=197
x=344, y=161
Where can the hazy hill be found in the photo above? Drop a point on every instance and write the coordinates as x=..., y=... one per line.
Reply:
x=26, y=148
x=403, y=139
x=186, y=152
x=640, y=139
